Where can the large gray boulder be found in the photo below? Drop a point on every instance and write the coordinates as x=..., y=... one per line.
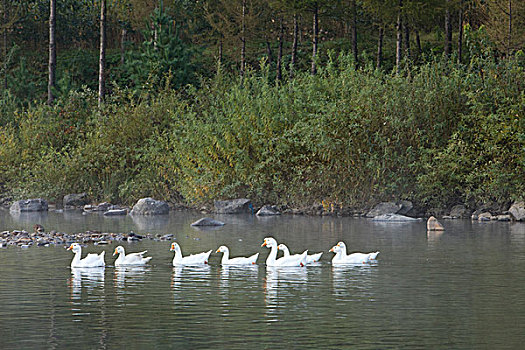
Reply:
x=150, y=206
x=268, y=210
x=384, y=208
x=207, y=222
x=75, y=200
x=29, y=205
x=517, y=210
x=394, y=218
x=459, y=211
x=234, y=206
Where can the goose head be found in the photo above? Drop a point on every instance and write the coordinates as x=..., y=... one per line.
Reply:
x=75, y=248
x=118, y=250
x=269, y=242
x=222, y=249
x=282, y=247
x=336, y=249
x=175, y=247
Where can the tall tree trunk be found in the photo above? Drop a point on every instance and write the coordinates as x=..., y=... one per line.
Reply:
x=243, y=38
x=123, y=35
x=509, y=49
x=399, y=36
x=460, y=36
x=407, y=40
x=280, y=53
x=294, y=44
x=315, y=35
x=102, y=61
x=354, y=32
x=380, y=48
x=448, y=30
x=52, y=52
x=5, y=43
x=418, y=45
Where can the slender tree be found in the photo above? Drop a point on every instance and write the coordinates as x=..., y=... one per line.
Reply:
x=243, y=38
x=354, y=32
x=102, y=60
x=315, y=38
x=293, y=61
x=448, y=29
x=280, y=53
x=379, y=59
x=460, y=34
x=52, y=52
x=399, y=35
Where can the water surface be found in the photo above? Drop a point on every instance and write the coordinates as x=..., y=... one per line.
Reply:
x=459, y=289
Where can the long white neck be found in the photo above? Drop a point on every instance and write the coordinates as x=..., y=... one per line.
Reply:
x=272, y=256
x=120, y=257
x=225, y=256
x=76, y=258
x=178, y=256
x=285, y=250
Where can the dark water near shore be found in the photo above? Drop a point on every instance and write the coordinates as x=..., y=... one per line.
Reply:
x=462, y=289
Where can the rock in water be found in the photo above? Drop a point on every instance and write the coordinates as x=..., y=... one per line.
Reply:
x=75, y=200
x=207, y=222
x=268, y=210
x=394, y=218
x=518, y=211
x=116, y=212
x=434, y=225
x=29, y=205
x=150, y=206
x=384, y=208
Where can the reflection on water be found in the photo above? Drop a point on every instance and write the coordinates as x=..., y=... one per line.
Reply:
x=192, y=275
x=229, y=275
x=130, y=275
x=433, y=237
x=282, y=284
x=354, y=282
x=88, y=278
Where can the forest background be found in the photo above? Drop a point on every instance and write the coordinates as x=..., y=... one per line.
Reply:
x=289, y=102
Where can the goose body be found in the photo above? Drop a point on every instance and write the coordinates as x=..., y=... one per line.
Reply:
x=310, y=259
x=131, y=258
x=251, y=260
x=341, y=258
x=292, y=260
x=91, y=260
x=194, y=259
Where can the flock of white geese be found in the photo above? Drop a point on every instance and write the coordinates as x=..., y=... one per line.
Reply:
x=298, y=260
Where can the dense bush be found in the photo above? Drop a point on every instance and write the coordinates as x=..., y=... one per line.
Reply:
x=438, y=134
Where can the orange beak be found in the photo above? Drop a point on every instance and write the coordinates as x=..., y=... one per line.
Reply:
x=70, y=247
x=264, y=244
x=172, y=247
x=218, y=250
x=332, y=249
x=115, y=252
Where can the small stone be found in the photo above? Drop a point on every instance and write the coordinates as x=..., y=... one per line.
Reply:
x=268, y=210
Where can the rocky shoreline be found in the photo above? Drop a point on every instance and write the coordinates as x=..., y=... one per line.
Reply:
x=394, y=211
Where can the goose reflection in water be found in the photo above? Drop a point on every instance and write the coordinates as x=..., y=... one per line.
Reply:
x=191, y=276
x=244, y=273
x=130, y=276
x=283, y=282
x=354, y=282
x=88, y=278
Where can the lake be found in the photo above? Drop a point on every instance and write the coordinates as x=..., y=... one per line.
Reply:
x=460, y=289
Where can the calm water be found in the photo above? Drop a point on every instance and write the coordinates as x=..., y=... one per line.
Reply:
x=462, y=289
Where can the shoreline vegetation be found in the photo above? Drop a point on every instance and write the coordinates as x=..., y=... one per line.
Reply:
x=438, y=134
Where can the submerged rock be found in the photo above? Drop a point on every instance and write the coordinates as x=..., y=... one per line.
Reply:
x=207, y=222
x=384, y=208
x=75, y=200
x=116, y=212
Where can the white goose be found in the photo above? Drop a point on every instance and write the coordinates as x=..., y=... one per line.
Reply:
x=341, y=258
x=310, y=259
x=131, y=258
x=91, y=260
x=251, y=260
x=195, y=259
x=292, y=260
